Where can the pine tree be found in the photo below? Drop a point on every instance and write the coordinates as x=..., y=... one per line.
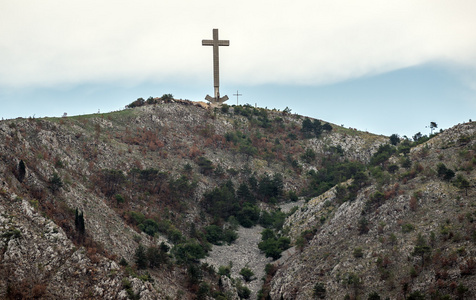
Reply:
x=79, y=222
x=21, y=171
x=141, y=257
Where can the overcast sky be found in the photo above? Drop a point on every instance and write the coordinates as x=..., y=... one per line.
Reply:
x=382, y=66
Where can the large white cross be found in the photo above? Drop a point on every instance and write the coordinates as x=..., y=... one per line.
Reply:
x=216, y=73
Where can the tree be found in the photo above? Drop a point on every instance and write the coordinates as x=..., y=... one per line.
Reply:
x=167, y=97
x=55, y=182
x=244, y=194
x=394, y=139
x=319, y=290
x=205, y=165
x=141, y=257
x=79, y=222
x=373, y=296
x=151, y=100
x=149, y=226
x=417, y=136
x=21, y=171
x=433, y=126
x=444, y=172
x=363, y=225
x=416, y=295
x=309, y=156
x=421, y=248
x=157, y=255
x=360, y=178
x=248, y=150
x=137, y=103
x=312, y=128
x=327, y=127
x=188, y=252
x=462, y=183
x=353, y=280
x=111, y=180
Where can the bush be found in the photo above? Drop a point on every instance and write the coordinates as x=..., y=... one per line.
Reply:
x=248, y=216
x=119, y=198
x=137, y=103
x=137, y=217
x=363, y=225
x=293, y=196
x=382, y=155
x=373, y=296
x=247, y=273
x=243, y=291
x=394, y=139
x=224, y=271
x=55, y=182
x=309, y=156
x=393, y=168
x=444, y=172
x=312, y=129
x=358, y=252
x=319, y=290
x=188, y=252
x=167, y=97
x=225, y=108
x=406, y=228
x=271, y=245
x=216, y=235
x=205, y=165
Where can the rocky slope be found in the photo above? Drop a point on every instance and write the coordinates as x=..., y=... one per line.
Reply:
x=348, y=257
x=141, y=177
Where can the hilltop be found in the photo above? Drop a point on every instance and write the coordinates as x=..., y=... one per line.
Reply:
x=136, y=203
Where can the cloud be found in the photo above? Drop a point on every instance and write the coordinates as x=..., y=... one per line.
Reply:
x=302, y=42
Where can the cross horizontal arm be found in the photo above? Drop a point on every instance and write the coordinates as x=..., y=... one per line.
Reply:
x=212, y=43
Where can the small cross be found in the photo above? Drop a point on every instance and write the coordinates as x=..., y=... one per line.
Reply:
x=237, y=95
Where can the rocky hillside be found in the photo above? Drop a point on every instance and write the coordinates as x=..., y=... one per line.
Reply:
x=410, y=232
x=150, y=201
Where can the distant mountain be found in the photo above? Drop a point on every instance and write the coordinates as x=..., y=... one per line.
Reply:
x=146, y=202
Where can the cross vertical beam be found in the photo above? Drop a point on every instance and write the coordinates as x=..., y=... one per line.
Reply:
x=216, y=68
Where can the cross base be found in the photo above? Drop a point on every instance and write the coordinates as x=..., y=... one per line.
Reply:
x=216, y=100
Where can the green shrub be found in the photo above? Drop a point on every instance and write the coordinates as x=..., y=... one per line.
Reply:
x=149, y=226
x=119, y=198
x=188, y=252
x=308, y=156
x=407, y=227
x=358, y=252
x=243, y=291
x=247, y=273
x=444, y=172
x=293, y=196
x=224, y=271
x=271, y=245
x=373, y=296
x=363, y=225
x=55, y=182
x=216, y=235
x=205, y=165
x=319, y=291
x=248, y=216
